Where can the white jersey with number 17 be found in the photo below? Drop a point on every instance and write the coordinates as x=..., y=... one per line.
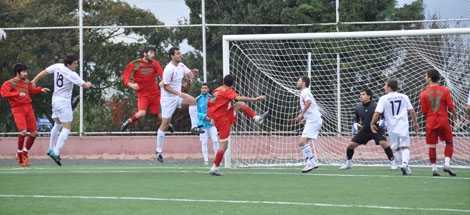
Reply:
x=395, y=107
x=64, y=79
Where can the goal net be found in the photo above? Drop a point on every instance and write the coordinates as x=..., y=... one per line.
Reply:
x=340, y=65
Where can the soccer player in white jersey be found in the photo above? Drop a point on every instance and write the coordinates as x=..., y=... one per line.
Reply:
x=395, y=107
x=172, y=97
x=311, y=116
x=64, y=79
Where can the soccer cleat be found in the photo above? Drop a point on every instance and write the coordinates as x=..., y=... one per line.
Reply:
x=206, y=163
x=159, y=157
x=125, y=125
x=260, y=118
x=170, y=128
x=55, y=158
x=308, y=168
x=405, y=170
x=197, y=130
x=346, y=166
x=435, y=173
x=449, y=171
x=393, y=165
x=25, y=159
x=19, y=158
x=215, y=172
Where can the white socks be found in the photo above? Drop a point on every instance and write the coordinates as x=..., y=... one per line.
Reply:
x=204, y=149
x=160, y=140
x=64, y=134
x=193, y=115
x=308, y=154
x=405, y=156
x=55, y=131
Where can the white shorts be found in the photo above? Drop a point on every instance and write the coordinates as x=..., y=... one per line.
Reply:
x=312, y=129
x=169, y=105
x=399, y=140
x=62, y=110
x=209, y=132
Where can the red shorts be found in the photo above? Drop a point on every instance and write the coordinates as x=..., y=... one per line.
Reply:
x=443, y=132
x=224, y=125
x=149, y=102
x=24, y=118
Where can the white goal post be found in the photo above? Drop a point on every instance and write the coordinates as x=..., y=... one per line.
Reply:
x=340, y=65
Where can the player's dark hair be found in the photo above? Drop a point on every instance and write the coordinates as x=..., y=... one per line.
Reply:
x=306, y=80
x=69, y=59
x=393, y=84
x=229, y=80
x=172, y=51
x=433, y=75
x=147, y=49
x=368, y=92
x=19, y=67
x=204, y=84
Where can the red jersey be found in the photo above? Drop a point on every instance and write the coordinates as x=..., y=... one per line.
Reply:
x=436, y=101
x=220, y=105
x=12, y=88
x=145, y=74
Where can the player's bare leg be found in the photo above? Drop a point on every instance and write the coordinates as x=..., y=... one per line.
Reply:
x=349, y=155
x=388, y=151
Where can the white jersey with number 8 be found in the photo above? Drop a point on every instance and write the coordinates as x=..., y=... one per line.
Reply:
x=395, y=107
x=64, y=79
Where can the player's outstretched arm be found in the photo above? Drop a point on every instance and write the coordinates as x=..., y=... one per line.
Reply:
x=249, y=99
x=38, y=77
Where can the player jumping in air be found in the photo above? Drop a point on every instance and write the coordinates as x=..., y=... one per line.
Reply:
x=222, y=112
x=436, y=104
x=64, y=79
x=143, y=75
x=204, y=123
x=173, y=98
x=364, y=112
x=310, y=113
x=18, y=92
x=395, y=108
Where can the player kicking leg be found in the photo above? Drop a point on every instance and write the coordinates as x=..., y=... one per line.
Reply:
x=310, y=114
x=223, y=115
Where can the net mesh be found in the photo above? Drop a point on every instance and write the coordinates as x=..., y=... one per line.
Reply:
x=272, y=67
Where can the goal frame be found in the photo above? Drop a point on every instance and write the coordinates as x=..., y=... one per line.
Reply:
x=226, y=39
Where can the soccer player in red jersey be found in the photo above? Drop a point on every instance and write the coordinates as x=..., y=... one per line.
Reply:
x=18, y=92
x=436, y=104
x=222, y=112
x=141, y=75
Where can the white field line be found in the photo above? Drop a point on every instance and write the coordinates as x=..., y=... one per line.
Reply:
x=244, y=202
x=199, y=171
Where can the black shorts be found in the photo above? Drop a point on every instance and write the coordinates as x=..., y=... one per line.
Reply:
x=365, y=135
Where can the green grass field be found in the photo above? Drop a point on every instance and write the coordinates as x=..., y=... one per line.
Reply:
x=173, y=189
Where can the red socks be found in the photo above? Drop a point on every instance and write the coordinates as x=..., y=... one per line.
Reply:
x=249, y=112
x=134, y=119
x=432, y=155
x=218, y=157
x=30, y=142
x=449, y=149
x=20, y=142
